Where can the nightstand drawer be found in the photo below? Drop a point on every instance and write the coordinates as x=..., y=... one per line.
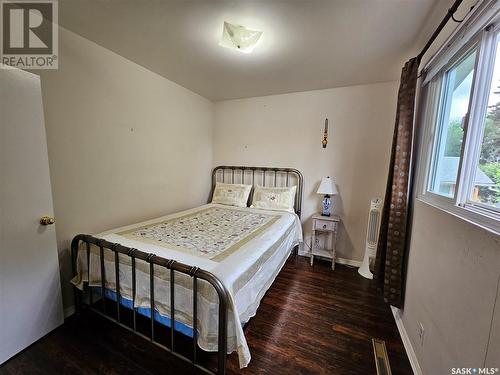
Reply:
x=324, y=225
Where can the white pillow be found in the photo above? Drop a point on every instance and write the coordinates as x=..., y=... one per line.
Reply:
x=231, y=194
x=274, y=198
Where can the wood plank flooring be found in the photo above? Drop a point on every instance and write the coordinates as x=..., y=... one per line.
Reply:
x=311, y=321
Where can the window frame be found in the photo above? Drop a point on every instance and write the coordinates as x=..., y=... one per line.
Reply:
x=479, y=111
x=442, y=107
x=461, y=205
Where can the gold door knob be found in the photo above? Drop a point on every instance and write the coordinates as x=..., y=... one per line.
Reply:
x=47, y=220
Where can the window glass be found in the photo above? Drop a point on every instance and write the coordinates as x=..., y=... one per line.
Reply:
x=454, y=101
x=486, y=185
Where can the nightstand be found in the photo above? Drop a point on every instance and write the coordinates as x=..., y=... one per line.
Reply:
x=330, y=225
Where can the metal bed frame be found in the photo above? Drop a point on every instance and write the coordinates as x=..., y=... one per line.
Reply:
x=173, y=266
x=263, y=172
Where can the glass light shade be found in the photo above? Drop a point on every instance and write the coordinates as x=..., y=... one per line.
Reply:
x=327, y=186
x=239, y=38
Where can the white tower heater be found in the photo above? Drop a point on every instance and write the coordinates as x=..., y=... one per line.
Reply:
x=371, y=238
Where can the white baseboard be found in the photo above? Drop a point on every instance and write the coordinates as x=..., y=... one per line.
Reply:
x=68, y=311
x=406, y=341
x=348, y=262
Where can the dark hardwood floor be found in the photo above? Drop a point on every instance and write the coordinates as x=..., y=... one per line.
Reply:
x=311, y=321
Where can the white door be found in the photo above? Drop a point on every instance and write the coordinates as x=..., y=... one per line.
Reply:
x=30, y=288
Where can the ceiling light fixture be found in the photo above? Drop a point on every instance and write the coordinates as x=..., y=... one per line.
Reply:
x=239, y=38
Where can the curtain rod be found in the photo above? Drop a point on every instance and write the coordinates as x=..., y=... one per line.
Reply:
x=445, y=20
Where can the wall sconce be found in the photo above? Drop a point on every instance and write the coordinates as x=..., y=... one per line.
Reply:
x=325, y=134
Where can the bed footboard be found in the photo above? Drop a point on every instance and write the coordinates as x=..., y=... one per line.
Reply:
x=171, y=265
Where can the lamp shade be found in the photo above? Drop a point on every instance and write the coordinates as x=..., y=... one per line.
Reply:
x=327, y=186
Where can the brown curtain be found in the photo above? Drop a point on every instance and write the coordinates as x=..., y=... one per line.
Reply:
x=392, y=247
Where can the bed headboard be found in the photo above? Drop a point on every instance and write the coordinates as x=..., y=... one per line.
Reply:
x=263, y=176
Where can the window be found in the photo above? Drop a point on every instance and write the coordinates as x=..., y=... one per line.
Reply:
x=486, y=183
x=454, y=109
x=461, y=144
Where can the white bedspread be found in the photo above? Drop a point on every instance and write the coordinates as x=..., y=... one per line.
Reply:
x=246, y=266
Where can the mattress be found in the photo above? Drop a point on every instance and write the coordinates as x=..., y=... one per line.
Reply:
x=244, y=247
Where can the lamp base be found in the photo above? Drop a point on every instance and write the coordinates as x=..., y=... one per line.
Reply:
x=326, y=206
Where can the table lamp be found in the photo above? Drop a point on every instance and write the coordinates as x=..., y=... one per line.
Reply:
x=327, y=187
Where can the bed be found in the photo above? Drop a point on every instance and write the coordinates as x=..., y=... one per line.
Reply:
x=205, y=269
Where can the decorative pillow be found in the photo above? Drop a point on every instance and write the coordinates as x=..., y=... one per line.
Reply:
x=274, y=198
x=231, y=194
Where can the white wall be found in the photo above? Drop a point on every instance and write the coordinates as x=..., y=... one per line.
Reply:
x=124, y=143
x=287, y=130
x=453, y=273
x=453, y=276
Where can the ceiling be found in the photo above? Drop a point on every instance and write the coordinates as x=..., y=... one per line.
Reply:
x=306, y=44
